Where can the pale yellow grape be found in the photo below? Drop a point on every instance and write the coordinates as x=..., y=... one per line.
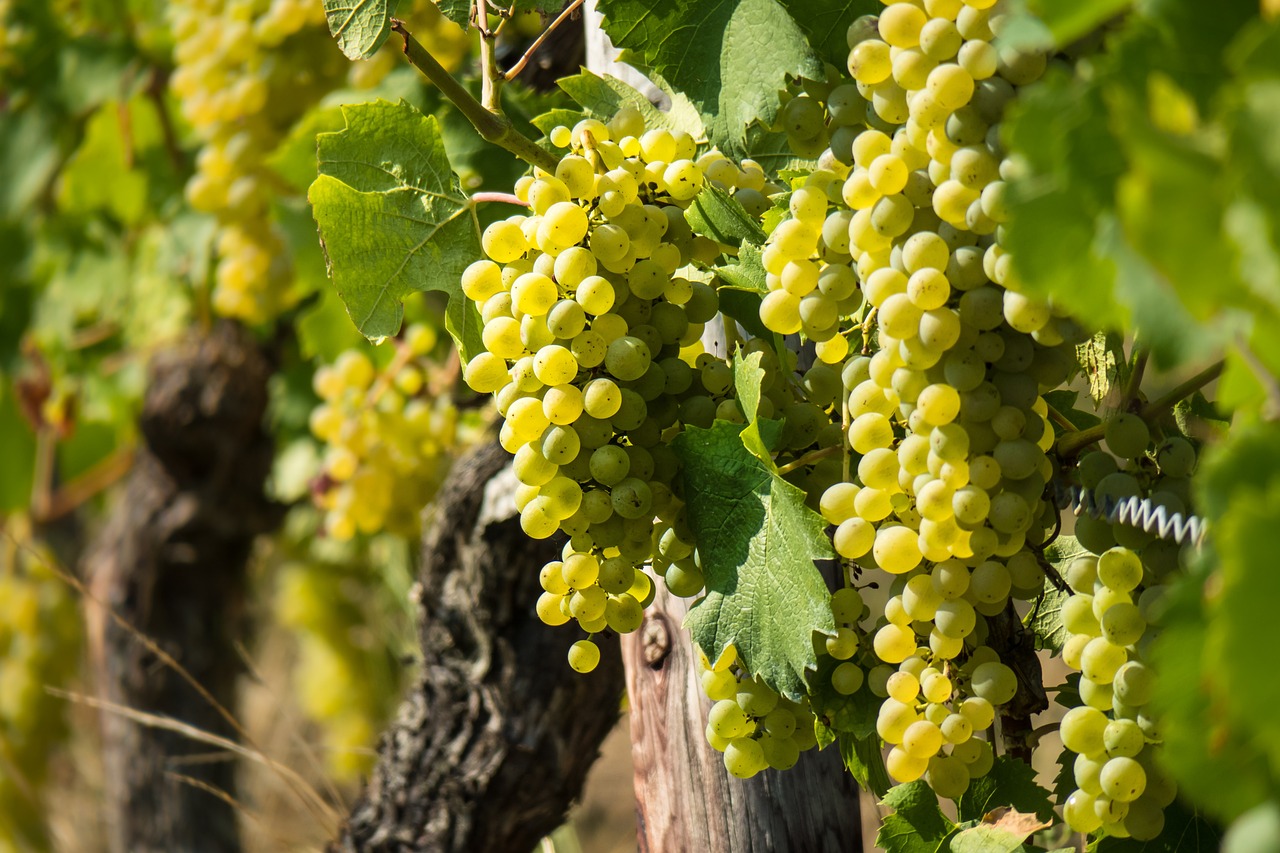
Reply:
x=623, y=613
x=584, y=656
x=534, y=294
x=896, y=549
x=854, y=537
x=894, y=643
x=873, y=504
x=526, y=418
x=899, y=316
x=955, y=618
x=1101, y=659
x=550, y=610
x=555, y=365
x=504, y=241
x=501, y=337
x=1105, y=598
x=911, y=68
x=531, y=467
x=940, y=40
x=836, y=504
x=858, y=192
x=904, y=767
x=1120, y=569
x=938, y=404
x=486, y=373
x=900, y=25
x=903, y=687
x=536, y=519
x=882, y=284
x=481, y=280
x=888, y=174
x=922, y=739
x=878, y=469
x=870, y=62
x=928, y=289
x=780, y=312
x=894, y=719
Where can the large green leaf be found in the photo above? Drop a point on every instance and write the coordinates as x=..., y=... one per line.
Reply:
x=758, y=542
x=360, y=26
x=917, y=825
x=394, y=220
x=716, y=214
x=1011, y=782
x=863, y=758
x=826, y=23
x=729, y=56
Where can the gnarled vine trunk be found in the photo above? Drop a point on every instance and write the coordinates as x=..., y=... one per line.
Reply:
x=171, y=563
x=496, y=736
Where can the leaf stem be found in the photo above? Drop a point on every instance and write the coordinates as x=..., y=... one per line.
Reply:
x=491, y=124
x=503, y=198
x=1072, y=443
x=809, y=458
x=515, y=70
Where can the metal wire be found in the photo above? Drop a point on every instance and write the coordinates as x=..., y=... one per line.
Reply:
x=1133, y=511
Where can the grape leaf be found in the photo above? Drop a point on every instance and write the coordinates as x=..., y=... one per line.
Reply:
x=862, y=757
x=102, y=173
x=1103, y=363
x=393, y=219
x=602, y=96
x=743, y=307
x=917, y=824
x=1066, y=22
x=760, y=435
x=758, y=542
x=1011, y=782
x=360, y=26
x=729, y=56
x=1002, y=831
x=747, y=273
x=717, y=215
x=826, y=24
x=1045, y=621
x=1064, y=783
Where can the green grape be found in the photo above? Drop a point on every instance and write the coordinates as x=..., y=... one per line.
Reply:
x=584, y=656
x=1123, y=780
x=1127, y=435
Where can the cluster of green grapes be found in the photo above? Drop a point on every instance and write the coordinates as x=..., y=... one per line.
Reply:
x=39, y=647
x=1122, y=789
x=231, y=78
x=893, y=252
x=1133, y=468
x=347, y=677
x=750, y=723
x=389, y=439
x=593, y=354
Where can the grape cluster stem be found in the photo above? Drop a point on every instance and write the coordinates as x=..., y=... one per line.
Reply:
x=493, y=126
x=1072, y=443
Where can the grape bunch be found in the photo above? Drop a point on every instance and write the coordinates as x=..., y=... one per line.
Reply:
x=754, y=726
x=39, y=647
x=891, y=262
x=593, y=355
x=1121, y=787
x=389, y=438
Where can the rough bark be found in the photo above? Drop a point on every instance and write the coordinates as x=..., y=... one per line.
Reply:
x=685, y=798
x=171, y=563
x=495, y=739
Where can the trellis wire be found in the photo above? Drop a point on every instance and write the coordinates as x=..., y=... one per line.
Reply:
x=1133, y=511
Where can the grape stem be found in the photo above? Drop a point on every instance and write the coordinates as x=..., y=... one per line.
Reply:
x=1132, y=388
x=809, y=458
x=488, y=121
x=1061, y=419
x=515, y=70
x=1072, y=443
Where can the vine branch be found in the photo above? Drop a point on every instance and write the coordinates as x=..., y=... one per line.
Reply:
x=490, y=123
x=1072, y=443
x=528, y=54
